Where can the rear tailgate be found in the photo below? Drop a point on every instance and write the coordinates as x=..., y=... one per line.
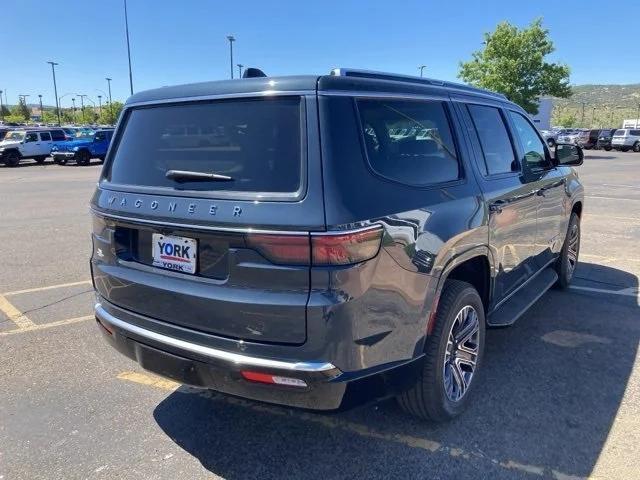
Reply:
x=264, y=145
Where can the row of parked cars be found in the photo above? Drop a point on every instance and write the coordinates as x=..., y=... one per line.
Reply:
x=63, y=144
x=621, y=139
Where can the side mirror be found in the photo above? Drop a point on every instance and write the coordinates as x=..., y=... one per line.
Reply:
x=568, y=154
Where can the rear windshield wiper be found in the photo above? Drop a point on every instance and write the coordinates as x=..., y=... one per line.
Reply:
x=190, y=176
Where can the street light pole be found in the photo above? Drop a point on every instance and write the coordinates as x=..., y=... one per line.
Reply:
x=73, y=101
x=240, y=70
x=110, y=102
x=99, y=105
x=55, y=89
x=81, y=105
x=582, y=118
x=1, y=108
x=422, y=67
x=231, y=39
x=41, y=111
x=126, y=25
x=638, y=116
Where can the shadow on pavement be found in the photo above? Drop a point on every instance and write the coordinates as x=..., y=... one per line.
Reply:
x=548, y=395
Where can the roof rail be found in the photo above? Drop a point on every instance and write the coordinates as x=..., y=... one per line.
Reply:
x=354, y=72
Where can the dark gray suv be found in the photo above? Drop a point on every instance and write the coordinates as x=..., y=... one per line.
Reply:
x=321, y=241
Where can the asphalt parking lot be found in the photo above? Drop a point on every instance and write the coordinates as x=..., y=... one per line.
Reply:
x=559, y=395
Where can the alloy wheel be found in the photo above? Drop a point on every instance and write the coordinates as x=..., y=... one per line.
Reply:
x=461, y=354
x=572, y=250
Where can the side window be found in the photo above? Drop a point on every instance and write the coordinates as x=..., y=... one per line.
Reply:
x=535, y=155
x=45, y=136
x=635, y=133
x=31, y=137
x=57, y=135
x=494, y=139
x=409, y=141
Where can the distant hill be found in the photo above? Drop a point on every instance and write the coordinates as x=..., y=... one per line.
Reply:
x=612, y=104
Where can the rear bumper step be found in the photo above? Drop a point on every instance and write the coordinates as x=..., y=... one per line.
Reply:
x=308, y=385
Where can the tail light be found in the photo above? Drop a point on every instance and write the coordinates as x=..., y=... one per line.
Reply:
x=319, y=249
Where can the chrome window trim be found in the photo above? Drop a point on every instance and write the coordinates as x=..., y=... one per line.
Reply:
x=259, y=94
x=446, y=91
x=214, y=353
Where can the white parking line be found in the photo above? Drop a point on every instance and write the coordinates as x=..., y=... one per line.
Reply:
x=626, y=292
x=49, y=287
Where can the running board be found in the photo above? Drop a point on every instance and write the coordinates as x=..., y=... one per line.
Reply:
x=520, y=302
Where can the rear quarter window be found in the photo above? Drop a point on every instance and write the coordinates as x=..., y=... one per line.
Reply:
x=256, y=142
x=409, y=141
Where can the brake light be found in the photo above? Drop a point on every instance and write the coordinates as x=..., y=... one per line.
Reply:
x=319, y=249
x=286, y=249
x=346, y=248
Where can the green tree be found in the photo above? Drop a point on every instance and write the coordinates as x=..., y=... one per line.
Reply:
x=566, y=120
x=21, y=111
x=110, y=113
x=50, y=116
x=5, y=111
x=513, y=63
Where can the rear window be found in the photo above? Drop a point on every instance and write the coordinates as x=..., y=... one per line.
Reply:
x=409, y=141
x=256, y=142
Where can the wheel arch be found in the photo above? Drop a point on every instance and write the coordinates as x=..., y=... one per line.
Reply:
x=474, y=266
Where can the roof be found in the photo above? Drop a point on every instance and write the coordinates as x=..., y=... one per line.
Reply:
x=339, y=79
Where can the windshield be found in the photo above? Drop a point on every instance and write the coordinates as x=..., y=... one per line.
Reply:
x=15, y=136
x=256, y=142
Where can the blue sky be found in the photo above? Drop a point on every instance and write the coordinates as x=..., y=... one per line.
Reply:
x=184, y=41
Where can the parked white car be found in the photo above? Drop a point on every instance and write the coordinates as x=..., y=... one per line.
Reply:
x=28, y=144
x=626, y=139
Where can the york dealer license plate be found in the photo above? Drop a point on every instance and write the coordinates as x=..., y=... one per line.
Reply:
x=175, y=253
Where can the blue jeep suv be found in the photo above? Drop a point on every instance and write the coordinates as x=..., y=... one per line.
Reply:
x=83, y=149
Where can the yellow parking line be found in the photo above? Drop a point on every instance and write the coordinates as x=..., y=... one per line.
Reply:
x=15, y=315
x=50, y=287
x=333, y=422
x=35, y=327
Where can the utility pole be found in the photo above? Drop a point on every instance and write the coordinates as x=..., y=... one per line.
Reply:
x=126, y=26
x=231, y=39
x=55, y=89
x=240, y=70
x=593, y=116
x=1, y=107
x=41, y=110
x=99, y=105
x=421, y=68
x=73, y=101
x=582, y=118
x=638, y=116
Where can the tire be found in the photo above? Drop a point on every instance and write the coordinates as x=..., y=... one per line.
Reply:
x=608, y=148
x=430, y=397
x=61, y=161
x=12, y=159
x=83, y=158
x=636, y=147
x=625, y=149
x=568, y=260
x=40, y=160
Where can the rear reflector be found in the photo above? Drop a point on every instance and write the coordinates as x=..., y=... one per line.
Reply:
x=321, y=249
x=273, y=379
